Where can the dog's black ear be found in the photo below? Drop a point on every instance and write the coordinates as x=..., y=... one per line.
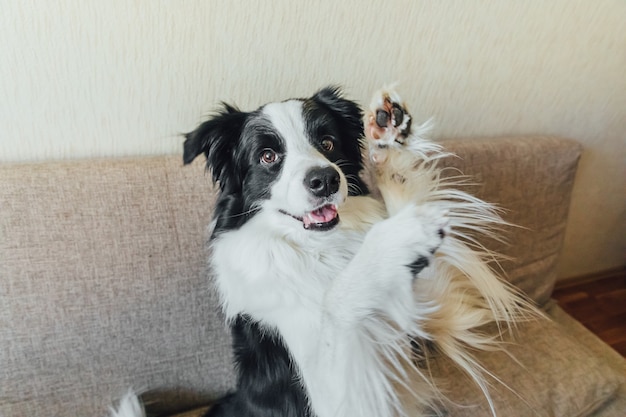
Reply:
x=347, y=111
x=216, y=139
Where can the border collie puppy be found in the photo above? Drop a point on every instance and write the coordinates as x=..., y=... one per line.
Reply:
x=335, y=298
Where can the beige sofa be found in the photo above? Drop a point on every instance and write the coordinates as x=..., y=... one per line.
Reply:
x=103, y=287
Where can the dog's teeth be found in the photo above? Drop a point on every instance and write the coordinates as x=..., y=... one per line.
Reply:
x=306, y=221
x=320, y=216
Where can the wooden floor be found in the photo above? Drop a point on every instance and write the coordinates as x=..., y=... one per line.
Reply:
x=600, y=305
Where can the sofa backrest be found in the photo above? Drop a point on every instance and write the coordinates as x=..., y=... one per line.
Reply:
x=104, y=285
x=531, y=180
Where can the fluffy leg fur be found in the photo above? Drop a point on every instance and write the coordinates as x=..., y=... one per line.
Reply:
x=129, y=406
x=464, y=292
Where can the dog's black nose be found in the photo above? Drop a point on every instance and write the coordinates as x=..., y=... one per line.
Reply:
x=322, y=182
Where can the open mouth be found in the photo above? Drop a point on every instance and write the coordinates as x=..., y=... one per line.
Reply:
x=323, y=218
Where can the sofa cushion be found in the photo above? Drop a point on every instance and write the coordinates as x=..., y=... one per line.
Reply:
x=615, y=406
x=531, y=179
x=104, y=287
x=546, y=372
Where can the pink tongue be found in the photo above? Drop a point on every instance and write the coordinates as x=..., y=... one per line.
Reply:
x=321, y=215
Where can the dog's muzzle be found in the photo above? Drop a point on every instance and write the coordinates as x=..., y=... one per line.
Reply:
x=322, y=183
x=322, y=218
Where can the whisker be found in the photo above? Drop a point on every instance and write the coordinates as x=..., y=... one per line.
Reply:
x=356, y=190
x=245, y=213
x=343, y=163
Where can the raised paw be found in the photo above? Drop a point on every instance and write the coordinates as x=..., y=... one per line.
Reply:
x=434, y=228
x=411, y=237
x=394, y=251
x=387, y=121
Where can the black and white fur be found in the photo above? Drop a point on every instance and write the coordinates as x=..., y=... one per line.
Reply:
x=335, y=298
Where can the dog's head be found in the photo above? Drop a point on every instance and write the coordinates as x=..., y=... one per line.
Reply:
x=298, y=160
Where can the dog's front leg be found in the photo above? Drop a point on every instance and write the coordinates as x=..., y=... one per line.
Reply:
x=380, y=276
x=372, y=295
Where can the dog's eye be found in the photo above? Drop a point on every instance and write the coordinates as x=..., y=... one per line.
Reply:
x=268, y=156
x=327, y=143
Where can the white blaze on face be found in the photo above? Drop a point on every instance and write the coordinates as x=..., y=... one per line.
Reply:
x=289, y=193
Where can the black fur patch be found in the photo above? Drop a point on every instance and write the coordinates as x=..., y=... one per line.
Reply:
x=328, y=114
x=267, y=383
x=417, y=266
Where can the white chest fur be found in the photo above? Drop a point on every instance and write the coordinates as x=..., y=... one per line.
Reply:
x=281, y=276
x=331, y=296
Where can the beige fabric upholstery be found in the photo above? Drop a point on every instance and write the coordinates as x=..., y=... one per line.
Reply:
x=103, y=284
x=565, y=379
x=615, y=406
x=103, y=287
x=531, y=179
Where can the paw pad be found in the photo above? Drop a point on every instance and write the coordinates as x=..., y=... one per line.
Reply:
x=387, y=120
x=396, y=116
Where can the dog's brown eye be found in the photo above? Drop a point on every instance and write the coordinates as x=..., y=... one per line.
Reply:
x=328, y=143
x=268, y=156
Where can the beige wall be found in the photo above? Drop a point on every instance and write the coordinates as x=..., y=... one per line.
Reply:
x=83, y=78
